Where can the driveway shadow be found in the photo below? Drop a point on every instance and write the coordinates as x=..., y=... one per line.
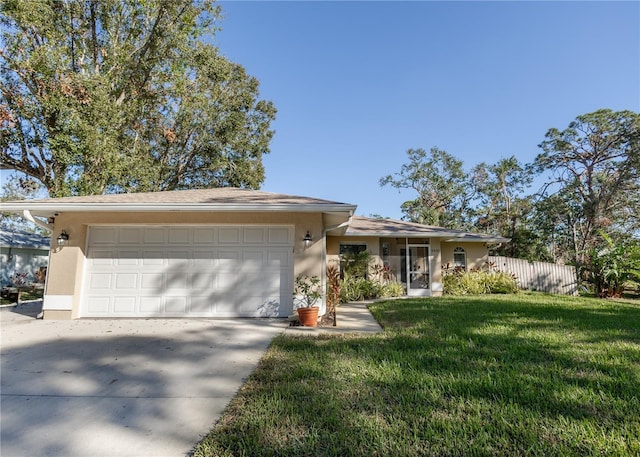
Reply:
x=121, y=387
x=28, y=309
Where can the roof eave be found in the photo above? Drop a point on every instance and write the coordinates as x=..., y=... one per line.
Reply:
x=400, y=234
x=42, y=207
x=478, y=240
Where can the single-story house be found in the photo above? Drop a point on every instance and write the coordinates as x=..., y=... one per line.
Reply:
x=22, y=253
x=222, y=252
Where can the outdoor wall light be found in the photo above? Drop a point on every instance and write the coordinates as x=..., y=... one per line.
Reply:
x=62, y=239
x=307, y=239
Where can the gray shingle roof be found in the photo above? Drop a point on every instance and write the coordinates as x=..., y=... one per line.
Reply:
x=366, y=226
x=19, y=239
x=218, y=199
x=226, y=195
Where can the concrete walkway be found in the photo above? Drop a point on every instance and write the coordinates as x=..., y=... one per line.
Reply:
x=352, y=318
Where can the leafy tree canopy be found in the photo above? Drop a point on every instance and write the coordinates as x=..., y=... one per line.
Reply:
x=126, y=95
x=443, y=189
x=595, y=176
x=593, y=187
x=19, y=188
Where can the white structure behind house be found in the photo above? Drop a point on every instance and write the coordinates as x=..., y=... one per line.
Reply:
x=539, y=276
x=22, y=252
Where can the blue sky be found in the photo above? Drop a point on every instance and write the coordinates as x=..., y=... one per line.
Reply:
x=356, y=84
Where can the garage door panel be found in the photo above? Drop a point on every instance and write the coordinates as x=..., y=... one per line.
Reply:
x=270, y=307
x=98, y=305
x=130, y=235
x=151, y=305
x=204, y=235
x=180, y=235
x=152, y=281
x=250, y=305
x=229, y=235
x=212, y=271
x=128, y=257
x=253, y=257
x=254, y=235
x=279, y=235
x=126, y=281
x=203, y=280
x=176, y=305
x=227, y=282
x=125, y=305
x=153, y=257
x=227, y=307
x=278, y=258
x=154, y=235
x=177, y=280
x=177, y=256
x=103, y=257
x=201, y=305
x=204, y=258
x=104, y=235
x=100, y=281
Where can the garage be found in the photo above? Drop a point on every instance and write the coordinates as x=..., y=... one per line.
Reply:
x=188, y=271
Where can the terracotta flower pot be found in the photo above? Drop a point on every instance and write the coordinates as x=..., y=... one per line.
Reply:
x=308, y=316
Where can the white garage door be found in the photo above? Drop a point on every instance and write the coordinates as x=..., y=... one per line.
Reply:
x=194, y=271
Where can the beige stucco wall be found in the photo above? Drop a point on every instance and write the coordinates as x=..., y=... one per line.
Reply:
x=476, y=254
x=65, y=280
x=374, y=246
x=64, y=284
x=441, y=253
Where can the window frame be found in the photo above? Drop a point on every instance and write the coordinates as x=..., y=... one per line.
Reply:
x=458, y=250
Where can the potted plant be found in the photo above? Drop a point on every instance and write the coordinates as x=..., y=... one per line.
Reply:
x=306, y=294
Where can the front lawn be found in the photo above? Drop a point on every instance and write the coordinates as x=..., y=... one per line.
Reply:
x=481, y=376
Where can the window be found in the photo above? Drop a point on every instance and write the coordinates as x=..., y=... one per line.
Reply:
x=386, y=252
x=352, y=248
x=354, y=260
x=459, y=258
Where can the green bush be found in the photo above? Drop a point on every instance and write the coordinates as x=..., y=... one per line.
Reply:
x=357, y=289
x=501, y=282
x=391, y=289
x=477, y=282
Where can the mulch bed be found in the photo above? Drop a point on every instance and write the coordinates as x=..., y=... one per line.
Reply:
x=325, y=321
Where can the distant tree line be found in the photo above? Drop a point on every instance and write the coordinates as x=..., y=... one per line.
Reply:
x=588, y=205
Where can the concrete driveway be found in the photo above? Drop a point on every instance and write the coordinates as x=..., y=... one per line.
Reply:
x=144, y=387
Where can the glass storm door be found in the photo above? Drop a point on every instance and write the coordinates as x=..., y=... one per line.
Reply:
x=418, y=267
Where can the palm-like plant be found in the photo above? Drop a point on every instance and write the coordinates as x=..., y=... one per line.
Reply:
x=613, y=266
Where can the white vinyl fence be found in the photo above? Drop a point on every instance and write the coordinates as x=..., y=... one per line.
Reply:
x=540, y=276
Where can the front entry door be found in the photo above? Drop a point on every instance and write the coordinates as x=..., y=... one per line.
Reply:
x=418, y=266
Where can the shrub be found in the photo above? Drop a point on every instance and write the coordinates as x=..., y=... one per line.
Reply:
x=476, y=282
x=501, y=282
x=391, y=289
x=357, y=289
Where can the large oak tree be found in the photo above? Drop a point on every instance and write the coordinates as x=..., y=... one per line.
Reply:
x=126, y=95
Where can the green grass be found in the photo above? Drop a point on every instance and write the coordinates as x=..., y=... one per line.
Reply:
x=527, y=374
x=26, y=295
